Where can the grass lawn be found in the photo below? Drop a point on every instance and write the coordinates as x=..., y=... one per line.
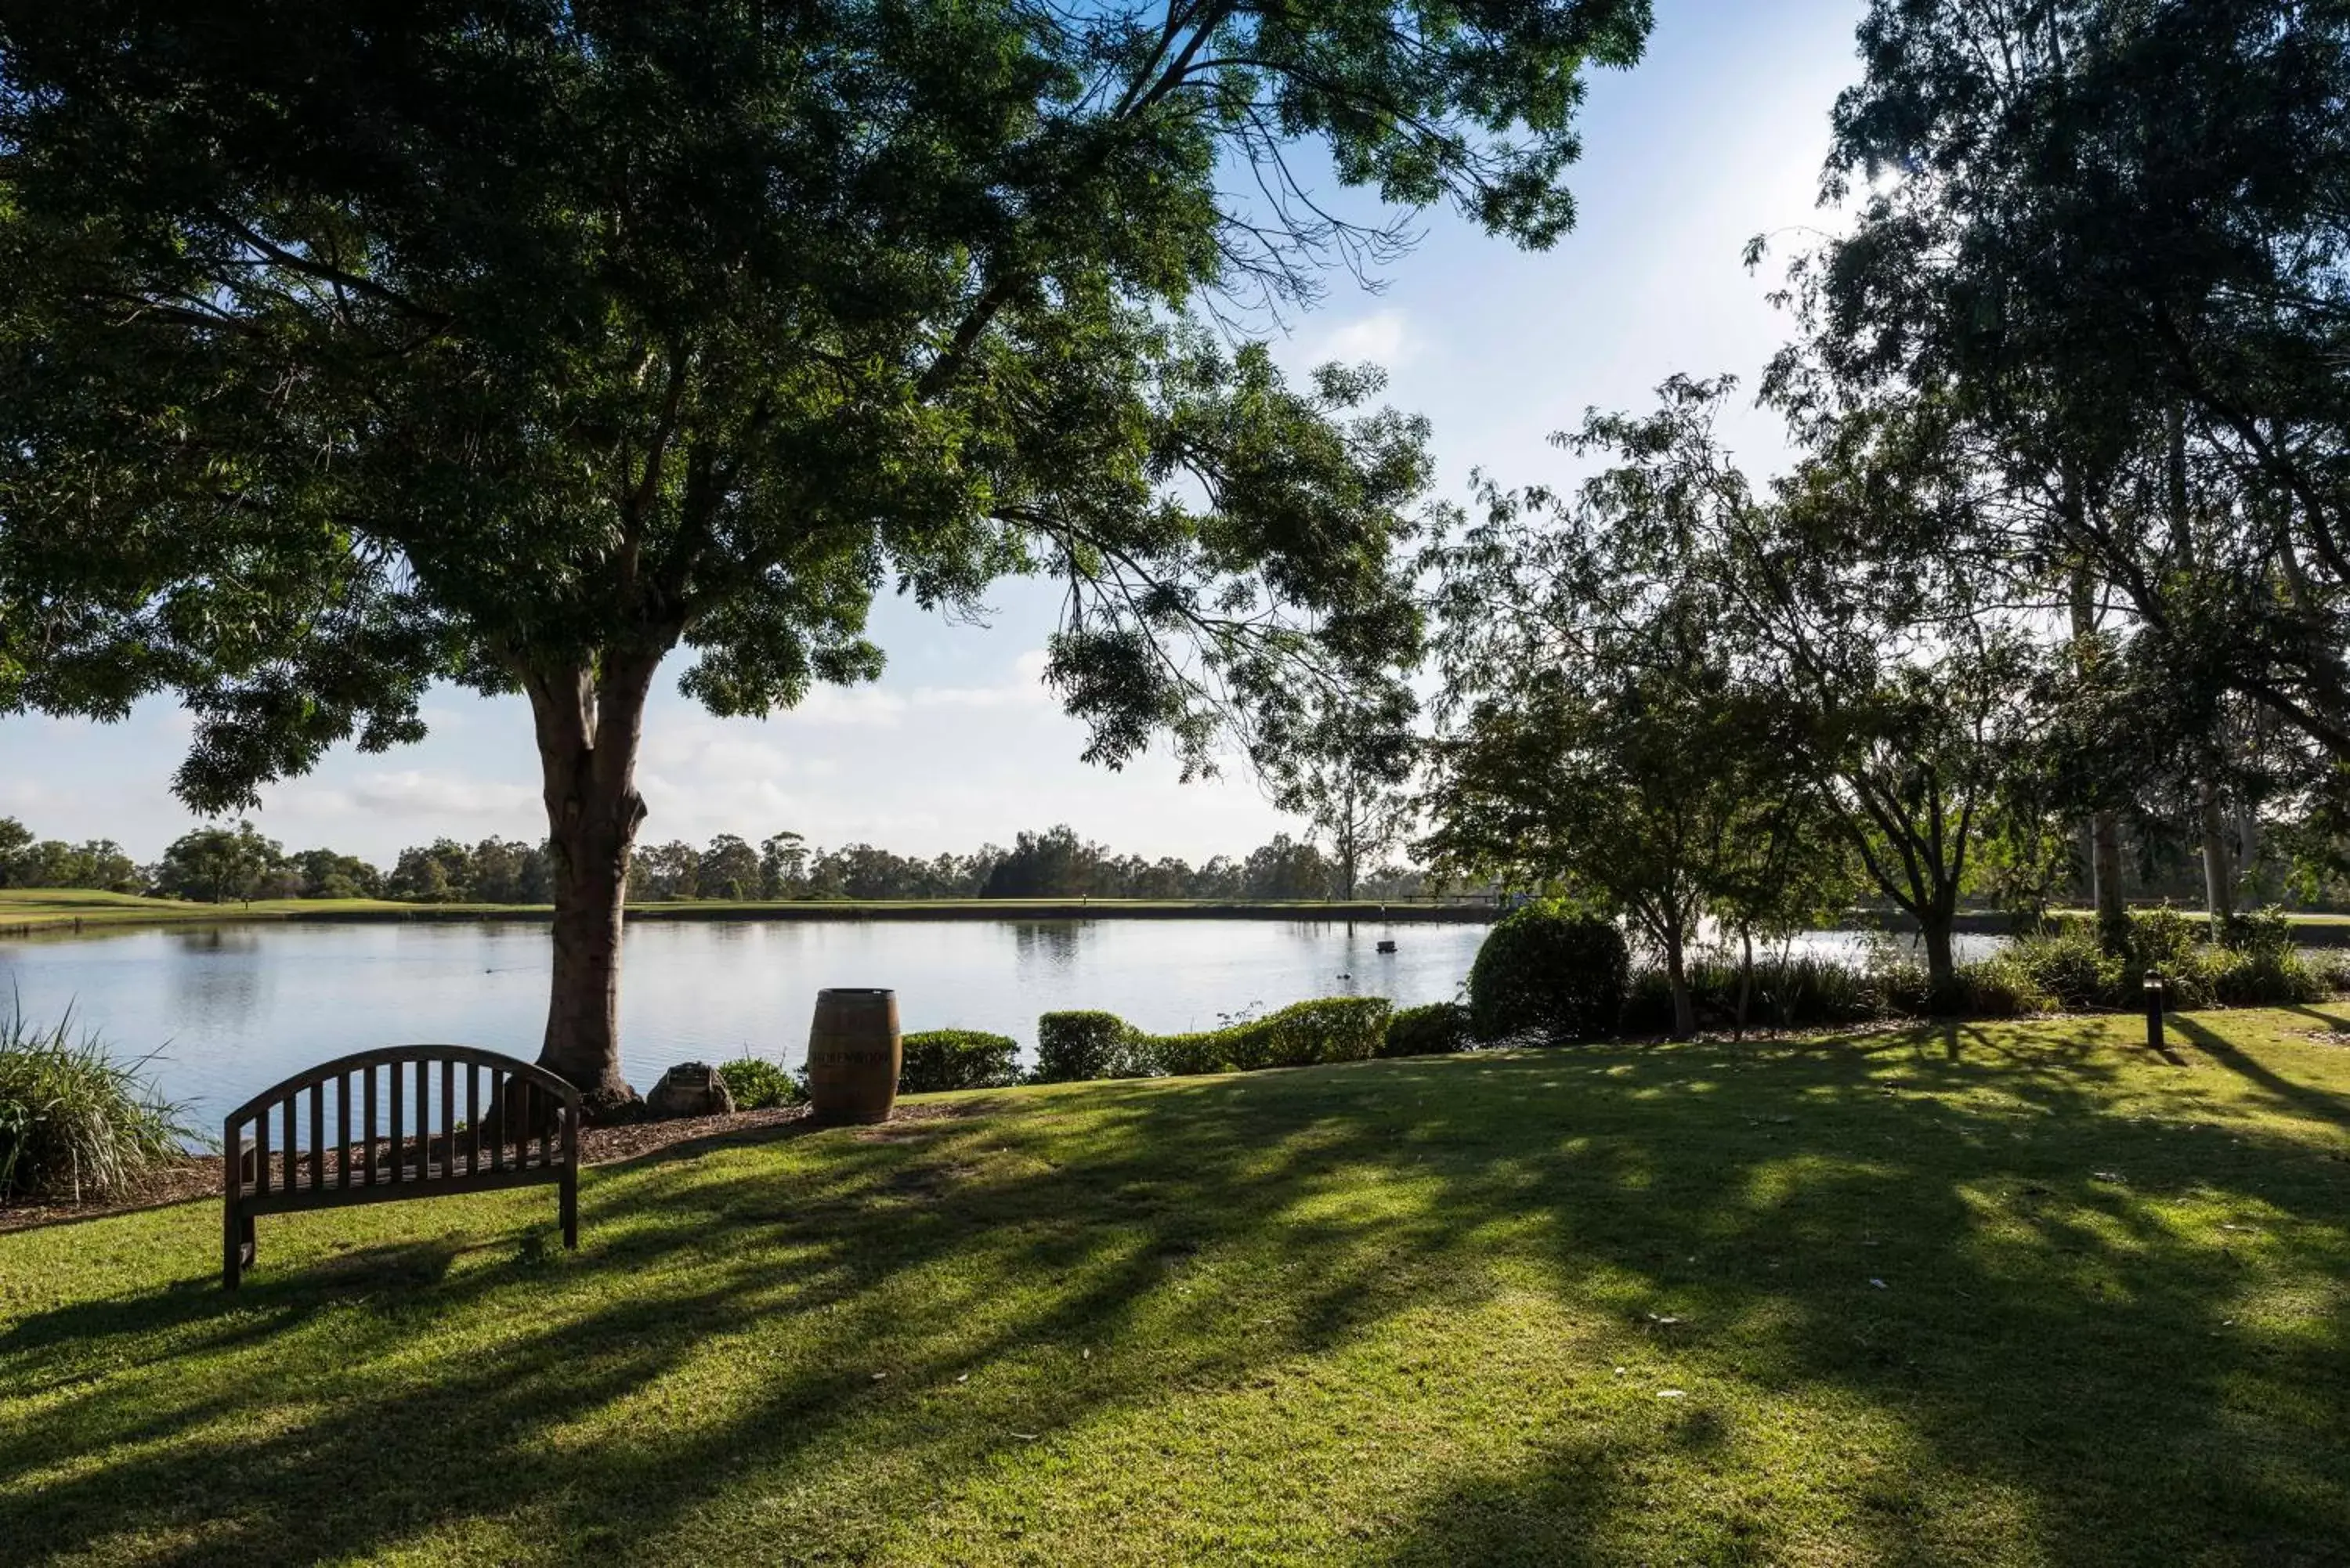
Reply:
x=1987, y=1295
x=48, y=908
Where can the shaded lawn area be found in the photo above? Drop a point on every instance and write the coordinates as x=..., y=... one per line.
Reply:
x=1997, y=1293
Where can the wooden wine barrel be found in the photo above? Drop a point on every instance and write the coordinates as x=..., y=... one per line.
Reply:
x=854, y=1053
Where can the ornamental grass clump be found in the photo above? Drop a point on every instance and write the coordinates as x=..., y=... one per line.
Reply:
x=77, y=1125
x=756, y=1084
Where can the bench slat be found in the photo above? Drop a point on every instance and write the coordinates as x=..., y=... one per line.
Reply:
x=367, y=1161
x=284, y=1203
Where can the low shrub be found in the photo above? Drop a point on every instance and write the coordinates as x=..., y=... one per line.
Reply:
x=2259, y=965
x=1797, y=990
x=938, y=1059
x=1303, y=1034
x=2165, y=941
x=2070, y=965
x=2266, y=977
x=1071, y=1046
x=2268, y=930
x=757, y=1085
x=2001, y=986
x=1548, y=969
x=75, y=1123
x=1439, y=1029
x=1075, y=1046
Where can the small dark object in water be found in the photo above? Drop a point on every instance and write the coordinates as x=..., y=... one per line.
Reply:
x=1387, y=945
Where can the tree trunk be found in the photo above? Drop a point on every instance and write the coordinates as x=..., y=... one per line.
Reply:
x=1941, y=968
x=2219, y=876
x=2248, y=850
x=588, y=725
x=1745, y=979
x=1677, y=980
x=2105, y=878
x=2104, y=831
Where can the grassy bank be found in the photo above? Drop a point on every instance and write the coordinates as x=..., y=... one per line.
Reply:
x=2002, y=1293
x=25, y=910
x=33, y=910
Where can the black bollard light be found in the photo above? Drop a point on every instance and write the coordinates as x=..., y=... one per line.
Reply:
x=2154, y=1012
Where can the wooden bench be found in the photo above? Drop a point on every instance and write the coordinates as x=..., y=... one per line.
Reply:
x=427, y=1127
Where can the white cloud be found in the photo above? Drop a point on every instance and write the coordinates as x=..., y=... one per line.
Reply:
x=22, y=794
x=864, y=706
x=1384, y=338
x=873, y=707
x=431, y=795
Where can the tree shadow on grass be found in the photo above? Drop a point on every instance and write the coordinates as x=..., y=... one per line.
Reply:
x=625, y=1399
x=2283, y=1093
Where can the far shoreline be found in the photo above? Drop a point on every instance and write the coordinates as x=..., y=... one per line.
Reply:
x=54, y=914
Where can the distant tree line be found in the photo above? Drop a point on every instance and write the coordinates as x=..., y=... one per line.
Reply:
x=238, y=863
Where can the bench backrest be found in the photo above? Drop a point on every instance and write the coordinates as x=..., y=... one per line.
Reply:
x=432, y=1118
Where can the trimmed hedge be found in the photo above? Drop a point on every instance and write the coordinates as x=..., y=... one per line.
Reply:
x=1549, y=970
x=940, y=1059
x=1439, y=1029
x=1072, y=1046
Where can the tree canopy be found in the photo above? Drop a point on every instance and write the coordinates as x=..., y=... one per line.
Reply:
x=356, y=344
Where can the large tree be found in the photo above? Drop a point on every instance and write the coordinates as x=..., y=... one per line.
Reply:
x=1607, y=724
x=356, y=344
x=1349, y=774
x=2110, y=236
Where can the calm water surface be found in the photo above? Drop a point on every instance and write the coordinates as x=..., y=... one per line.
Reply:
x=235, y=1009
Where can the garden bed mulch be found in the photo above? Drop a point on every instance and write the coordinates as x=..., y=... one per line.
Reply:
x=200, y=1177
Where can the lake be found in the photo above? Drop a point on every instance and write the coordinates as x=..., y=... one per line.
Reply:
x=233, y=1009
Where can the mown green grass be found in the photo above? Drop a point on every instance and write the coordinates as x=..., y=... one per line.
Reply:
x=1998, y=1295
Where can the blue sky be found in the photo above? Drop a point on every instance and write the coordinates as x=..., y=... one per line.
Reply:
x=1716, y=137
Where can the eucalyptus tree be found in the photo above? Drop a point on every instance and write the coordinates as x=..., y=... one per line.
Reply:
x=353, y=345
x=1853, y=691
x=1602, y=728
x=1911, y=673
x=2113, y=233
x=1349, y=775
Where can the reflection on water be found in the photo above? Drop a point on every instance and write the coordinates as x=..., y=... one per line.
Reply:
x=1045, y=944
x=235, y=1009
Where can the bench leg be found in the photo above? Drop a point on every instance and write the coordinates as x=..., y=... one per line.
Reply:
x=236, y=1245
x=571, y=1208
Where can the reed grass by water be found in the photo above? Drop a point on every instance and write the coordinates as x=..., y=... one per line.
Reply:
x=77, y=1122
